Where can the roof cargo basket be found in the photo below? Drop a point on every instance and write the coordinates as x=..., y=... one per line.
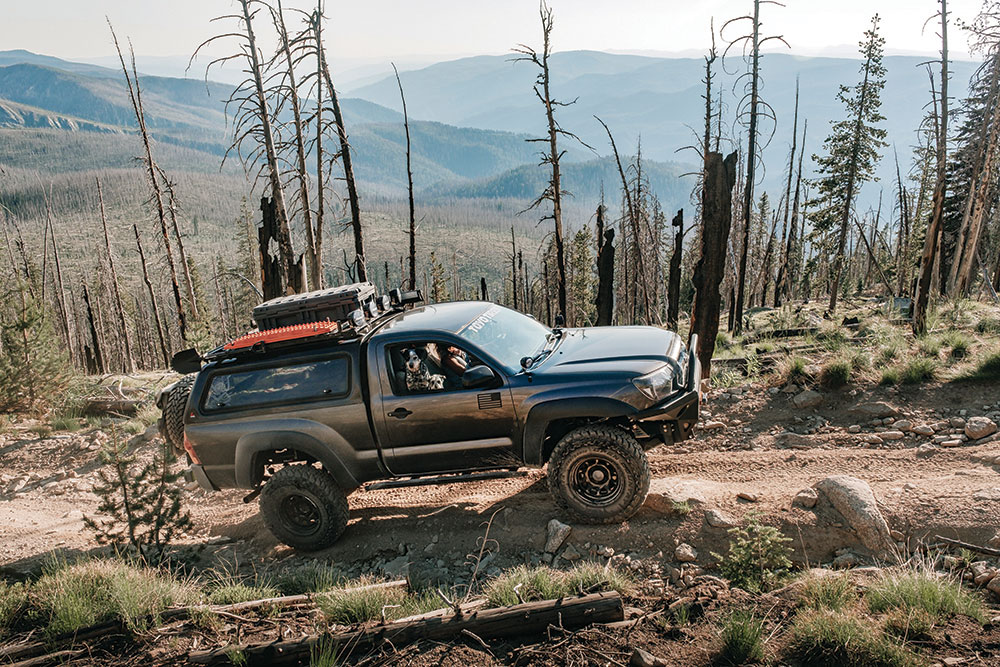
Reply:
x=334, y=304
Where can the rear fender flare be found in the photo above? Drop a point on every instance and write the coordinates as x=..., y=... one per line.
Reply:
x=252, y=446
x=543, y=414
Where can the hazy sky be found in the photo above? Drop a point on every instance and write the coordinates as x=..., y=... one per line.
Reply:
x=436, y=29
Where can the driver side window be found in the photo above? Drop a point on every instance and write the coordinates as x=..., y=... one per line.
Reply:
x=427, y=367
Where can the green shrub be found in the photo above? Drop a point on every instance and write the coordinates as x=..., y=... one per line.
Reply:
x=828, y=592
x=889, y=352
x=75, y=596
x=757, y=556
x=836, y=372
x=680, y=507
x=825, y=638
x=918, y=370
x=587, y=576
x=923, y=589
x=65, y=422
x=742, y=639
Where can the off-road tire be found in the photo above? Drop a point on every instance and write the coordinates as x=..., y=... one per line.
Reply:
x=611, y=455
x=297, y=486
x=173, y=411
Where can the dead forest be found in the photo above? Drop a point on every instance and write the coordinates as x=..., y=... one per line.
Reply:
x=735, y=248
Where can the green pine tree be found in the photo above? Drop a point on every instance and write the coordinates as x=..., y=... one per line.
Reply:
x=853, y=150
x=582, y=278
x=439, y=281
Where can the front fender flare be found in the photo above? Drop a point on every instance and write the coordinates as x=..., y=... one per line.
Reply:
x=541, y=415
x=251, y=447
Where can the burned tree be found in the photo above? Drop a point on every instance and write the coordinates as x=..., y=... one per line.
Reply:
x=752, y=108
x=674, y=280
x=254, y=132
x=552, y=155
x=409, y=183
x=716, y=218
x=605, y=299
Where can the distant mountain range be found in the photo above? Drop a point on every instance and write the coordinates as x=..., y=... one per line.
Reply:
x=475, y=115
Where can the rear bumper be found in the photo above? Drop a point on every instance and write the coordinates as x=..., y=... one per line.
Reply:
x=196, y=473
x=676, y=416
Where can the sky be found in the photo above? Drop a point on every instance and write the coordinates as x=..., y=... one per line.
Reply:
x=422, y=31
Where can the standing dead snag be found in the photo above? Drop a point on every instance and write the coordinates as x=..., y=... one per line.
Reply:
x=781, y=284
x=345, y=151
x=752, y=42
x=314, y=262
x=933, y=235
x=253, y=124
x=605, y=300
x=135, y=95
x=119, y=308
x=164, y=349
x=552, y=156
x=674, y=280
x=409, y=182
x=717, y=212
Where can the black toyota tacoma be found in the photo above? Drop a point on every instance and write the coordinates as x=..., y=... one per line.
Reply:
x=396, y=395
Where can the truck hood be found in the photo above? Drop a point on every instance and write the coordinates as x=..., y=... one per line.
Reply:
x=622, y=350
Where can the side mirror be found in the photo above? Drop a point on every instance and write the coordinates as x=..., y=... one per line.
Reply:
x=186, y=361
x=477, y=377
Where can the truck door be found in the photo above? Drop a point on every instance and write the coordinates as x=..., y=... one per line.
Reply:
x=429, y=429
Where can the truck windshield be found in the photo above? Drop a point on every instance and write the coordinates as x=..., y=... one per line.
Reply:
x=506, y=335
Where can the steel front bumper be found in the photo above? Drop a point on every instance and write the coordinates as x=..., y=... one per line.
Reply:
x=675, y=417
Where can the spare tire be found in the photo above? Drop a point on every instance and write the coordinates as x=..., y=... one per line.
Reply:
x=173, y=411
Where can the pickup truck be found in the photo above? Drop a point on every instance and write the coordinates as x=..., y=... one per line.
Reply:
x=440, y=393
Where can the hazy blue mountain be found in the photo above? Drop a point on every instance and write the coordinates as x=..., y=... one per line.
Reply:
x=659, y=99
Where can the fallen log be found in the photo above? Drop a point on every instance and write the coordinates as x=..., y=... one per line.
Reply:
x=48, y=659
x=100, y=407
x=522, y=619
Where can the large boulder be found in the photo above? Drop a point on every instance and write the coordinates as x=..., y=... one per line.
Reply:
x=979, y=427
x=854, y=500
x=808, y=399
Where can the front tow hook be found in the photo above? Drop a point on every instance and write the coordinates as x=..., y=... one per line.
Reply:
x=400, y=413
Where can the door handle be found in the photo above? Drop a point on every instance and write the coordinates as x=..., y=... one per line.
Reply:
x=400, y=413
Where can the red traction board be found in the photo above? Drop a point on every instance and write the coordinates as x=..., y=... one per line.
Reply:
x=307, y=330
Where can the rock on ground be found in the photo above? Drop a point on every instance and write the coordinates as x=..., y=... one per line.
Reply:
x=979, y=427
x=794, y=440
x=806, y=498
x=685, y=553
x=879, y=409
x=808, y=399
x=719, y=519
x=665, y=492
x=557, y=534
x=854, y=499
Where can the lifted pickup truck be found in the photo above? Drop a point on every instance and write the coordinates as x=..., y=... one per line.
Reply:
x=432, y=394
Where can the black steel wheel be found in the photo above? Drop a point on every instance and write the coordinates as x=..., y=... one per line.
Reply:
x=304, y=508
x=599, y=474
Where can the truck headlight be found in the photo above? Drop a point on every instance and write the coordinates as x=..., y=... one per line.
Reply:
x=656, y=385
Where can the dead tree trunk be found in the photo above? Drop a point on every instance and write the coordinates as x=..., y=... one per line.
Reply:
x=135, y=95
x=513, y=266
x=115, y=290
x=605, y=301
x=674, y=279
x=345, y=156
x=482, y=289
x=717, y=212
x=781, y=284
x=409, y=183
x=181, y=253
x=95, y=337
x=933, y=237
x=60, y=291
x=164, y=349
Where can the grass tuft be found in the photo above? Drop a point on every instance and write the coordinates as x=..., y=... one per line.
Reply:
x=929, y=346
x=922, y=589
x=836, y=372
x=312, y=578
x=13, y=598
x=958, y=342
x=354, y=603
x=544, y=583
x=988, y=325
x=94, y=591
x=241, y=591
x=909, y=624
x=793, y=369
x=742, y=639
x=918, y=370
x=987, y=370
x=890, y=376
x=833, y=592
x=825, y=638
x=323, y=653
